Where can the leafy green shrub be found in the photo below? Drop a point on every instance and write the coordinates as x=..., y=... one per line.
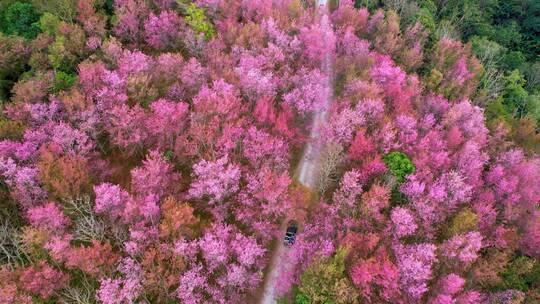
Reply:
x=48, y=23
x=514, y=93
x=513, y=60
x=64, y=9
x=301, y=299
x=425, y=17
x=521, y=274
x=20, y=19
x=67, y=49
x=197, y=21
x=399, y=165
x=10, y=129
x=63, y=81
x=465, y=221
x=326, y=281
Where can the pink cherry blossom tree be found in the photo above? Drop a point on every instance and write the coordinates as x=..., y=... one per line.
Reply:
x=215, y=181
x=222, y=266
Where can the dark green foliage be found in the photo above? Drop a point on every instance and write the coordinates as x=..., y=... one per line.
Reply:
x=63, y=81
x=523, y=16
x=14, y=54
x=397, y=198
x=399, y=165
x=428, y=5
x=522, y=274
x=370, y=4
x=426, y=18
x=301, y=299
x=169, y=154
x=66, y=10
x=512, y=60
x=20, y=19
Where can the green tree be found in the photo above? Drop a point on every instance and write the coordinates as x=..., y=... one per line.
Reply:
x=447, y=29
x=531, y=72
x=513, y=60
x=369, y=4
x=514, y=94
x=495, y=112
x=67, y=49
x=399, y=165
x=196, y=19
x=20, y=19
x=489, y=53
x=48, y=23
x=63, y=9
x=10, y=129
x=531, y=28
x=301, y=299
x=63, y=81
x=533, y=107
x=486, y=50
x=426, y=18
x=521, y=274
x=465, y=221
x=325, y=281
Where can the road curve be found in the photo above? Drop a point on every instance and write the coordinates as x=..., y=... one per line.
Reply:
x=307, y=169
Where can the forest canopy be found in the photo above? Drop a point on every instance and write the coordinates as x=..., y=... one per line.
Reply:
x=148, y=151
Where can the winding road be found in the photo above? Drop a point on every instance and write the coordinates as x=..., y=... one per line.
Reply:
x=307, y=167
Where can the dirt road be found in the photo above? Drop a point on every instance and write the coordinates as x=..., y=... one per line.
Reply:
x=307, y=167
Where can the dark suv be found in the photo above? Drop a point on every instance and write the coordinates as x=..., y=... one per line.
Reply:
x=290, y=234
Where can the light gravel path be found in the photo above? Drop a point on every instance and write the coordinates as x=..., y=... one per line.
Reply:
x=307, y=170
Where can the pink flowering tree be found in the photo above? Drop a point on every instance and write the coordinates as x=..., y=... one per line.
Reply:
x=164, y=31
x=222, y=266
x=42, y=280
x=403, y=222
x=462, y=250
x=462, y=70
x=261, y=149
x=167, y=122
x=318, y=41
x=48, y=216
x=531, y=237
x=349, y=190
x=376, y=278
x=125, y=288
x=415, y=264
x=308, y=92
x=111, y=200
x=256, y=77
x=214, y=180
x=23, y=182
x=264, y=201
x=130, y=14
x=156, y=176
x=126, y=127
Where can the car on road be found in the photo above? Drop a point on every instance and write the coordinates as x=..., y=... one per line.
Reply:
x=290, y=233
